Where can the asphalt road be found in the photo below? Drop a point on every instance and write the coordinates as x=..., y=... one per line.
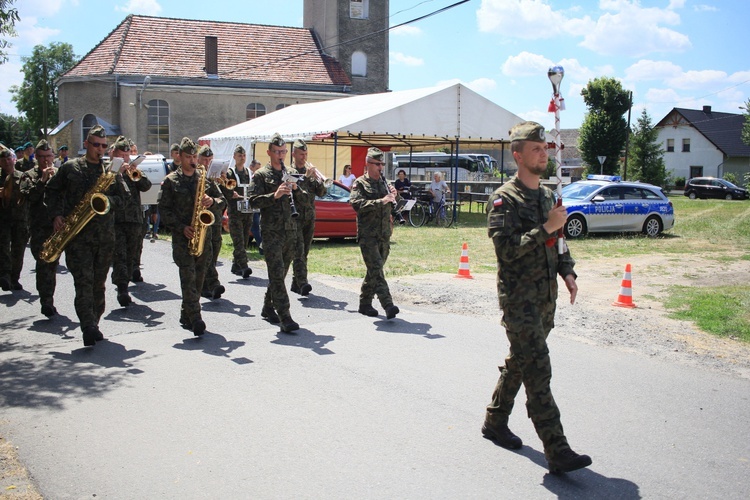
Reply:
x=349, y=407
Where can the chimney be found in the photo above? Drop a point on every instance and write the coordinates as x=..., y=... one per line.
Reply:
x=212, y=57
x=707, y=110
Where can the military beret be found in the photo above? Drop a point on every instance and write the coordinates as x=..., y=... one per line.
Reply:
x=239, y=149
x=188, y=146
x=175, y=147
x=5, y=152
x=43, y=145
x=98, y=131
x=19, y=149
x=300, y=144
x=277, y=140
x=63, y=148
x=122, y=144
x=375, y=154
x=528, y=131
x=28, y=145
x=205, y=151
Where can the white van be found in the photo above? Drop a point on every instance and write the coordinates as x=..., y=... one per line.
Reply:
x=155, y=168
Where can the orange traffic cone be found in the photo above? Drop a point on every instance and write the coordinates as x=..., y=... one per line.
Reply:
x=625, y=299
x=463, y=265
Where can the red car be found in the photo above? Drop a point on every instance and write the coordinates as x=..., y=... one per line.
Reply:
x=334, y=216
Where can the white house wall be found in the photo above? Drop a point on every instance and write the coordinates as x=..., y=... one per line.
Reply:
x=702, y=152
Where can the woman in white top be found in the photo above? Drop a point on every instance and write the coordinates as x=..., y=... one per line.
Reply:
x=347, y=177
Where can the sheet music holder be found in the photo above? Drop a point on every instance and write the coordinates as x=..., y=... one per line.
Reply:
x=115, y=164
x=217, y=167
x=404, y=205
x=137, y=160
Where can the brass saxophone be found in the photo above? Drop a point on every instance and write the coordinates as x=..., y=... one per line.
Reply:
x=94, y=203
x=202, y=218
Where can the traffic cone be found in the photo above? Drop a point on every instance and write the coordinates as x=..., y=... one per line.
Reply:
x=463, y=265
x=625, y=299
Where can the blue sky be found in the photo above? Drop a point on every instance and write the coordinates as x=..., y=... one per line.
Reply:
x=670, y=53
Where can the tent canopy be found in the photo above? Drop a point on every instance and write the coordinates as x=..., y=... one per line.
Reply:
x=409, y=118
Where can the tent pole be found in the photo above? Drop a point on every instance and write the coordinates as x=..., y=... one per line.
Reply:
x=335, y=151
x=455, y=181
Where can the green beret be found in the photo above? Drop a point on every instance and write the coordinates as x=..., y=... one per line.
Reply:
x=43, y=145
x=277, y=140
x=205, y=151
x=98, y=131
x=188, y=146
x=239, y=149
x=5, y=152
x=375, y=154
x=122, y=144
x=528, y=131
x=63, y=148
x=175, y=147
x=28, y=145
x=19, y=149
x=300, y=144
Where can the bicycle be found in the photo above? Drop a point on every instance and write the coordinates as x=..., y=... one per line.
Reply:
x=424, y=211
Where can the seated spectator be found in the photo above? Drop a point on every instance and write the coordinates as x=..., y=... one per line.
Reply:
x=347, y=177
x=403, y=185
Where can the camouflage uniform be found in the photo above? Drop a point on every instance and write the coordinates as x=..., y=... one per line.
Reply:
x=211, y=281
x=89, y=254
x=279, y=233
x=41, y=229
x=527, y=291
x=239, y=223
x=310, y=187
x=176, y=206
x=374, y=230
x=25, y=164
x=14, y=230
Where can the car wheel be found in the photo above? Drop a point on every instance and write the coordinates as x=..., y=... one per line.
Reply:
x=728, y=197
x=652, y=227
x=575, y=226
x=691, y=195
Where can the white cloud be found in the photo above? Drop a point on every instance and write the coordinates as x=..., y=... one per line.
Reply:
x=646, y=69
x=398, y=57
x=704, y=79
x=30, y=33
x=406, y=30
x=527, y=19
x=704, y=8
x=481, y=85
x=526, y=64
x=10, y=74
x=145, y=7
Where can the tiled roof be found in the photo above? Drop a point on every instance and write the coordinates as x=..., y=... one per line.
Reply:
x=722, y=129
x=175, y=48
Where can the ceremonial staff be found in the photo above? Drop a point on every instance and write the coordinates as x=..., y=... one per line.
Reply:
x=557, y=104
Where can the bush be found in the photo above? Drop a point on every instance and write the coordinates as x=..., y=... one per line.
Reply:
x=731, y=177
x=679, y=182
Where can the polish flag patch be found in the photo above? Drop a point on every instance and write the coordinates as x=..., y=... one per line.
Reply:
x=498, y=202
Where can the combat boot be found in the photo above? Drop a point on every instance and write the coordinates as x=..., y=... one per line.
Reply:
x=294, y=288
x=5, y=284
x=218, y=292
x=288, y=325
x=305, y=289
x=122, y=295
x=137, y=278
x=502, y=435
x=247, y=272
x=89, y=336
x=391, y=311
x=368, y=310
x=199, y=326
x=567, y=460
x=49, y=310
x=236, y=270
x=270, y=315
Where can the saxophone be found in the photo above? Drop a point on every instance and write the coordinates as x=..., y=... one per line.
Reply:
x=202, y=218
x=93, y=203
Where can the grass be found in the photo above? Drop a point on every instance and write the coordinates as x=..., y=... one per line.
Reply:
x=723, y=311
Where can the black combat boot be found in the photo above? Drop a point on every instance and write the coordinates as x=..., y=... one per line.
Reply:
x=502, y=435
x=49, y=310
x=137, y=278
x=294, y=288
x=218, y=292
x=247, y=272
x=199, y=326
x=368, y=310
x=89, y=336
x=305, y=289
x=236, y=270
x=391, y=311
x=122, y=295
x=288, y=325
x=567, y=460
x=270, y=315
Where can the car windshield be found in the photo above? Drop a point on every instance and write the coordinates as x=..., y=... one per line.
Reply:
x=335, y=193
x=579, y=190
x=729, y=184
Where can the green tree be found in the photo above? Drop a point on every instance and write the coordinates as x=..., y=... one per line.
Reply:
x=40, y=71
x=8, y=19
x=746, y=126
x=604, y=130
x=646, y=153
x=14, y=130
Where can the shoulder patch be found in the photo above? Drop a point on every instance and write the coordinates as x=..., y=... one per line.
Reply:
x=498, y=202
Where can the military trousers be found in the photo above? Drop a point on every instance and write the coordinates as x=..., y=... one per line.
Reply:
x=212, y=274
x=375, y=254
x=278, y=250
x=88, y=258
x=46, y=273
x=128, y=242
x=13, y=238
x=192, y=273
x=527, y=327
x=305, y=230
x=239, y=230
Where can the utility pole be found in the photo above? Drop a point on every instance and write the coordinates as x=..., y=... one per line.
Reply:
x=44, y=99
x=627, y=138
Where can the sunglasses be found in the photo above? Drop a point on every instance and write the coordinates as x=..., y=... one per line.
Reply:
x=98, y=144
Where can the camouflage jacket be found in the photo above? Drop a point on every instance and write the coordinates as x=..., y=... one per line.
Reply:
x=276, y=214
x=177, y=199
x=243, y=178
x=35, y=187
x=527, y=267
x=220, y=203
x=25, y=164
x=312, y=187
x=132, y=212
x=18, y=208
x=373, y=217
x=71, y=183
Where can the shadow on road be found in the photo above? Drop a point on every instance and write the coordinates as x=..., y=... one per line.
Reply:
x=152, y=292
x=214, y=345
x=136, y=313
x=307, y=339
x=397, y=325
x=319, y=302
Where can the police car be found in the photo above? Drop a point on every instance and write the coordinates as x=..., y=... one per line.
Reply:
x=603, y=203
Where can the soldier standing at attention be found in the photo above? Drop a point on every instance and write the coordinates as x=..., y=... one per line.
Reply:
x=373, y=200
x=212, y=287
x=310, y=187
x=273, y=196
x=26, y=161
x=176, y=205
x=240, y=219
x=40, y=225
x=89, y=254
x=14, y=222
x=62, y=154
x=522, y=221
x=128, y=223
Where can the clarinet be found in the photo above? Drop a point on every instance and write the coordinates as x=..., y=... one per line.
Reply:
x=398, y=215
x=295, y=214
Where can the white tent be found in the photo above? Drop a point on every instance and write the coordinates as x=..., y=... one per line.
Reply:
x=409, y=118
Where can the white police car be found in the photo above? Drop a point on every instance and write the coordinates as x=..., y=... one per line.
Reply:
x=603, y=203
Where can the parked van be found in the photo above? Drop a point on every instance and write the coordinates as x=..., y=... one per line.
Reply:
x=421, y=166
x=155, y=168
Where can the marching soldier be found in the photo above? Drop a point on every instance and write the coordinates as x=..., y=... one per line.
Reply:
x=89, y=253
x=273, y=197
x=40, y=225
x=128, y=222
x=177, y=207
x=310, y=186
x=373, y=200
x=14, y=228
x=212, y=287
x=240, y=218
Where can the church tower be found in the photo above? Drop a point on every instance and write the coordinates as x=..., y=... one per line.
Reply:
x=341, y=27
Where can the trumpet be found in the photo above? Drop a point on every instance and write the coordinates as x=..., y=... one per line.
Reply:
x=322, y=178
x=227, y=183
x=135, y=175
